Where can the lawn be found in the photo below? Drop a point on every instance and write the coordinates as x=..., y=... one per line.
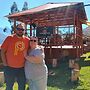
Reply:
x=60, y=81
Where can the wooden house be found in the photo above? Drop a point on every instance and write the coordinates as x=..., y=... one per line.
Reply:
x=57, y=25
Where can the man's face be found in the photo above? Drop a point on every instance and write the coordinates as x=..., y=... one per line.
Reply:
x=19, y=30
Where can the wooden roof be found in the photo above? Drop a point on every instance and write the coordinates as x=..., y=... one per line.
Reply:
x=52, y=14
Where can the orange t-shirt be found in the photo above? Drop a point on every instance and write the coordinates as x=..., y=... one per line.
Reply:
x=14, y=48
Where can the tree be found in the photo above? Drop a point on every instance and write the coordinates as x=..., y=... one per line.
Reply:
x=5, y=29
x=25, y=6
x=13, y=9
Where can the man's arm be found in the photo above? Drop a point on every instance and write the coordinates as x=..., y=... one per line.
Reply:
x=3, y=57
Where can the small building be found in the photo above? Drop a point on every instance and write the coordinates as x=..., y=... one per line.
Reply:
x=58, y=27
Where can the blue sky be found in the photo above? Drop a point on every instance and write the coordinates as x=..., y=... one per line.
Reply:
x=6, y=4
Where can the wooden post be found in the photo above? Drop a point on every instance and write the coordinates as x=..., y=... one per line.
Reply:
x=30, y=30
x=14, y=25
x=25, y=29
x=79, y=40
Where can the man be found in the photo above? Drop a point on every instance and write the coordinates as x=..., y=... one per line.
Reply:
x=13, y=58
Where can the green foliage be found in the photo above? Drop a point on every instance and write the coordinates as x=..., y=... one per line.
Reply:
x=14, y=8
x=25, y=6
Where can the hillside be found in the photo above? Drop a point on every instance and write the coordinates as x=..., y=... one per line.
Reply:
x=86, y=32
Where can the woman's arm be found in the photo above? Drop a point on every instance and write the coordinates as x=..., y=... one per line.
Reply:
x=34, y=59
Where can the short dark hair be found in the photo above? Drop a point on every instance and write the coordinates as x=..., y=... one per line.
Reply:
x=20, y=25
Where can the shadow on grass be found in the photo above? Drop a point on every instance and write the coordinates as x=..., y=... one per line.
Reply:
x=61, y=79
x=83, y=62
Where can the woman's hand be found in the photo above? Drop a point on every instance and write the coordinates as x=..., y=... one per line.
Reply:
x=25, y=53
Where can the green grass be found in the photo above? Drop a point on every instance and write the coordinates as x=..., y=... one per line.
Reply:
x=60, y=81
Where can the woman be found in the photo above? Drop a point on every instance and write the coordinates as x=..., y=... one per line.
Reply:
x=35, y=68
